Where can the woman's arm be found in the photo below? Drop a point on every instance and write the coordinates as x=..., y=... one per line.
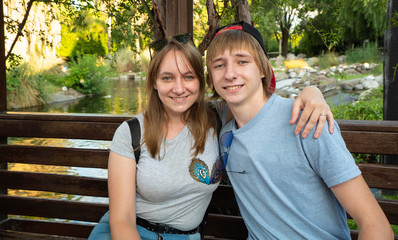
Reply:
x=314, y=107
x=122, y=197
x=357, y=199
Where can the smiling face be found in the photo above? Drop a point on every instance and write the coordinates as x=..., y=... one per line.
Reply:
x=237, y=78
x=177, y=84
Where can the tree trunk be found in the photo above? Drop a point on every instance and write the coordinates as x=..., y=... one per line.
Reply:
x=285, y=40
x=212, y=21
x=109, y=32
x=159, y=13
x=242, y=10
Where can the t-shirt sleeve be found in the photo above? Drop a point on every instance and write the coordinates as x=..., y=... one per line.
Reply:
x=330, y=158
x=121, y=142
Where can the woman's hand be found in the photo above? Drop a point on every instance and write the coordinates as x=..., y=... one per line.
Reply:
x=315, y=109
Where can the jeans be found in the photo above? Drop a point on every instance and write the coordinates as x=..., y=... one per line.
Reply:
x=102, y=231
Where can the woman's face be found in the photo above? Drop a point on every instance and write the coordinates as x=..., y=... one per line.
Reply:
x=177, y=84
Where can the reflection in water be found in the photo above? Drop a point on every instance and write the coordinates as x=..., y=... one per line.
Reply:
x=123, y=97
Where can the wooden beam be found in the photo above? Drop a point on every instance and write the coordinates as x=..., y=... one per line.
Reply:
x=179, y=17
x=390, y=110
x=3, y=90
x=3, y=86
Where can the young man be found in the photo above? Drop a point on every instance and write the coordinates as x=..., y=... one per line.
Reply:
x=287, y=187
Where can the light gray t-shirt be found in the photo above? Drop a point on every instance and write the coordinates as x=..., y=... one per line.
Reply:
x=177, y=189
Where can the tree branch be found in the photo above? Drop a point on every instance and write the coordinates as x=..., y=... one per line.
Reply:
x=20, y=28
x=212, y=21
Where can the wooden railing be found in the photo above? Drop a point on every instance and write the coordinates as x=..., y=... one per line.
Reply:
x=26, y=217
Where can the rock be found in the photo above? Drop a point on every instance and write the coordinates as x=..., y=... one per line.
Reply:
x=351, y=72
x=68, y=95
x=313, y=61
x=290, y=56
x=358, y=87
x=327, y=86
x=281, y=76
x=292, y=74
x=370, y=84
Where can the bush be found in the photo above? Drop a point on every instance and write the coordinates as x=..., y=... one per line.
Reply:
x=368, y=108
x=88, y=75
x=328, y=60
x=368, y=53
x=26, y=88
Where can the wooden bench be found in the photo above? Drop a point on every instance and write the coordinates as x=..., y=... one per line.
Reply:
x=30, y=217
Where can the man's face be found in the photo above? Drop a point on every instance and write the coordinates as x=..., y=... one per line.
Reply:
x=237, y=78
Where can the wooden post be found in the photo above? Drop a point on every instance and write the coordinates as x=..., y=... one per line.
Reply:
x=390, y=106
x=179, y=17
x=3, y=86
x=3, y=92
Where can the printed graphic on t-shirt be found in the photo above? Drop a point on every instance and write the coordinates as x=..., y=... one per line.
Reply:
x=200, y=171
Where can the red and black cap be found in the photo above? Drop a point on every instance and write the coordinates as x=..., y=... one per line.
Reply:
x=244, y=26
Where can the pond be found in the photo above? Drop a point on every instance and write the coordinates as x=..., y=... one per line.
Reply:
x=126, y=97
x=122, y=97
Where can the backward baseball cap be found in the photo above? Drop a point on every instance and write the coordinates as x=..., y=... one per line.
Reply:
x=244, y=26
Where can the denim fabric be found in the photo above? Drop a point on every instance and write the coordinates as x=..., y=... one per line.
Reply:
x=103, y=232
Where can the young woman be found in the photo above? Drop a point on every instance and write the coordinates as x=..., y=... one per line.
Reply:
x=165, y=195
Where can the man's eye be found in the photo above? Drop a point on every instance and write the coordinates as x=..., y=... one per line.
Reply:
x=243, y=62
x=218, y=65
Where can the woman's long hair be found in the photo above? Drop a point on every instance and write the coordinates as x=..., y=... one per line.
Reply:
x=199, y=117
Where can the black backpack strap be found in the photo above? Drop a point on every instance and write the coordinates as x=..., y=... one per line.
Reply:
x=135, y=131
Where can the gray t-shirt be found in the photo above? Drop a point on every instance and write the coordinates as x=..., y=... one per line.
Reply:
x=177, y=189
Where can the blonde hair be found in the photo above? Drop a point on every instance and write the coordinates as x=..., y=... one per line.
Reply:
x=235, y=40
x=199, y=117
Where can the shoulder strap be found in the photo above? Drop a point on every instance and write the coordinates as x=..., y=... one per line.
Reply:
x=135, y=131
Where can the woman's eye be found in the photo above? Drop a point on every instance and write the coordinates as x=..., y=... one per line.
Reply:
x=166, y=78
x=190, y=77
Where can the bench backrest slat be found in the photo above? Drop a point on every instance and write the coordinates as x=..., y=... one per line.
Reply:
x=52, y=208
x=58, y=183
x=73, y=157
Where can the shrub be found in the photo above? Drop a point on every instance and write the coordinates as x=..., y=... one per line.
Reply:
x=24, y=88
x=88, y=75
x=368, y=53
x=328, y=60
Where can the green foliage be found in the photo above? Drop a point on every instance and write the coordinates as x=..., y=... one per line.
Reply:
x=126, y=60
x=13, y=61
x=328, y=60
x=368, y=53
x=89, y=37
x=368, y=108
x=25, y=87
x=363, y=19
x=88, y=75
